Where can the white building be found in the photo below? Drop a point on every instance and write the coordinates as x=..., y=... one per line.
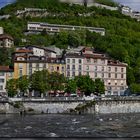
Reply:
x=56, y=28
x=5, y=74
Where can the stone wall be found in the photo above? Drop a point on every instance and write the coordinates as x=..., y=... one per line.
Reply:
x=50, y=107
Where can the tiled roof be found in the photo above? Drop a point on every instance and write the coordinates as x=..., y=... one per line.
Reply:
x=5, y=36
x=23, y=51
x=5, y=69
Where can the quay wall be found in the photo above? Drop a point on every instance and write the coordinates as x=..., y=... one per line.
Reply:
x=64, y=106
x=115, y=106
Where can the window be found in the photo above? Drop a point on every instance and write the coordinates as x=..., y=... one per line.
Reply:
x=122, y=69
x=68, y=60
x=95, y=74
x=87, y=68
x=80, y=73
x=121, y=88
x=95, y=68
x=102, y=68
x=87, y=73
x=88, y=60
x=102, y=75
x=80, y=61
x=115, y=75
x=30, y=71
x=57, y=68
x=44, y=66
x=121, y=75
x=109, y=88
x=68, y=74
x=109, y=75
x=95, y=60
x=102, y=61
x=1, y=87
x=73, y=60
x=68, y=67
x=20, y=72
x=30, y=65
x=115, y=69
x=73, y=73
x=73, y=67
x=80, y=67
x=62, y=68
x=1, y=73
x=109, y=83
x=1, y=80
x=37, y=66
x=109, y=68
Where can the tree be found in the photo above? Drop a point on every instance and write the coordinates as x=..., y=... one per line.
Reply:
x=99, y=86
x=56, y=81
x=71, y=86
x=39, y=81
x=85, y=84
x=74, y=39
x=12, y=87
x=135, y=88
x=23, y=84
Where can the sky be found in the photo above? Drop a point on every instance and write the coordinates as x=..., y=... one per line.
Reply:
x=134, y=4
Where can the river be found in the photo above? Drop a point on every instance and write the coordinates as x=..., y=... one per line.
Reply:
x=67, y=126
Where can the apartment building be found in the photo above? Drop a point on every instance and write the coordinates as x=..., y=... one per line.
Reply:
x=56, y=65
x=29, y=59
x=6, y=73
x=56, y=28
x=97, y=65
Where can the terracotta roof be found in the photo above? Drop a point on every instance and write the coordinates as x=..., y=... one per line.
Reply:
x=5, y=69
x=23, y=51
x=5, y=36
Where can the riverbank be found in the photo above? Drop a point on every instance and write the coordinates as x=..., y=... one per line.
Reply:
x=70, y=105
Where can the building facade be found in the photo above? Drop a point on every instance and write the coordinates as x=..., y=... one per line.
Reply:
x=6, y=41
x=6, y=73
x=56, y=28
x=75, y=62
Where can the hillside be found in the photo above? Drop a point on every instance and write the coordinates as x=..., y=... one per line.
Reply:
x=122, y=39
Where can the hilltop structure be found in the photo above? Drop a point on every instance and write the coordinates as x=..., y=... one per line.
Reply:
x=6, y=40
x=35, y=27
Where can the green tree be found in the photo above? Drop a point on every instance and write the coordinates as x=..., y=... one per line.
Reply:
x=39, y=81
x=99, y=86
x=85, y=84
x=71, y=86
x=135, y=88
x=23, y=84
x=56, y=81
x=12, y=87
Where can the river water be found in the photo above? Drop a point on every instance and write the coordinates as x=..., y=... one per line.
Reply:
x=68, y=126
